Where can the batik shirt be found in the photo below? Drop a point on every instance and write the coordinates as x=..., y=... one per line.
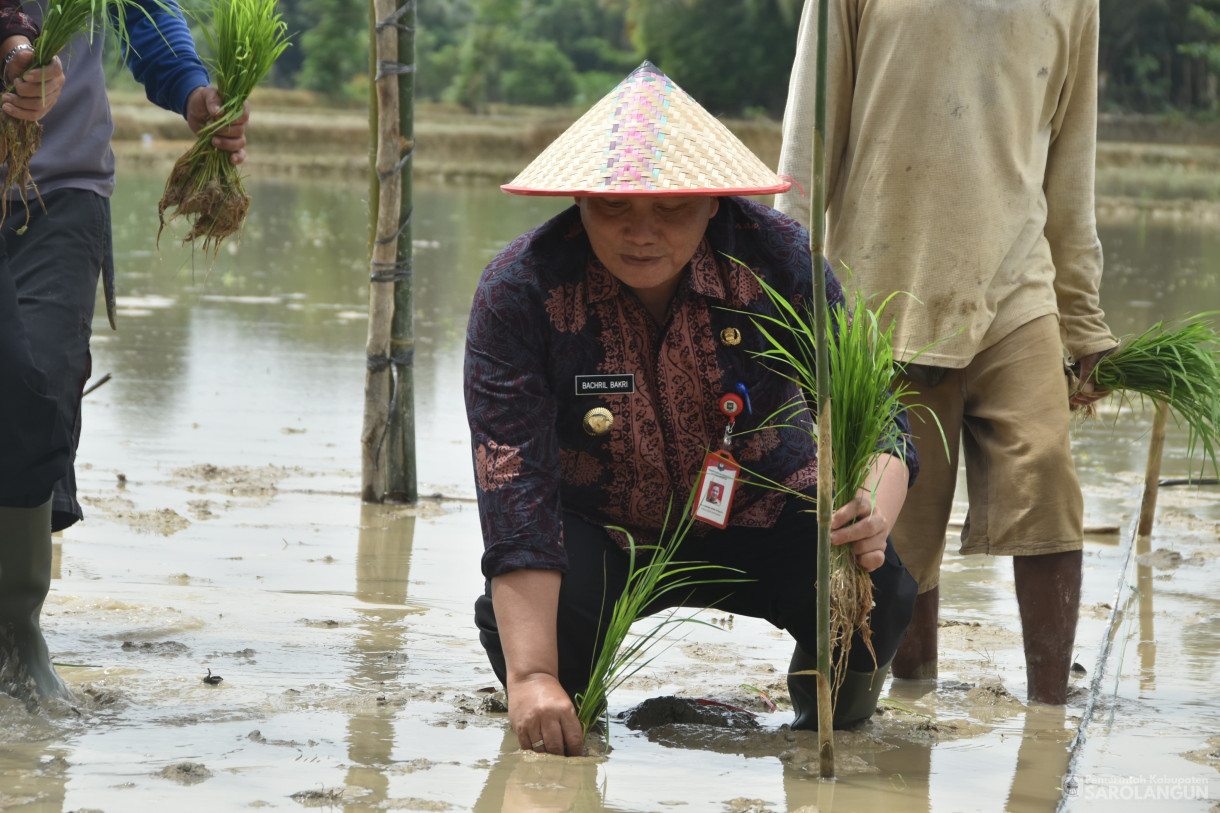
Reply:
x=553, y=335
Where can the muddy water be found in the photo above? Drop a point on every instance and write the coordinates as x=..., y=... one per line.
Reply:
x=220, y=469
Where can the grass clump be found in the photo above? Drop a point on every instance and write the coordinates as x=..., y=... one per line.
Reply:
x=62, y=21
x=246, y=37
x=1175, y=364
x=652, y=573
x=865, y=399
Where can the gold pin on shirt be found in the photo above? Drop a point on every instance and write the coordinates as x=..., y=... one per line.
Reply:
x=598, y=421
x=730, y=337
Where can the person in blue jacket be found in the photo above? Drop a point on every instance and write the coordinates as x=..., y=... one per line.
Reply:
x=51, y=255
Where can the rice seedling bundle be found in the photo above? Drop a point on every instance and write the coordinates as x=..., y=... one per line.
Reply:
x=1175, y=364
x=62, y=21
x=246, y=37
x=652, y=573
x=865, y=399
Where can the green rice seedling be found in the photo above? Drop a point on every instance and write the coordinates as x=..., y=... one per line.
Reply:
x=1176, y=364
x=752, y=688
x=652, y=573
x=246, y=37
x=62, y=21
x=866, y=397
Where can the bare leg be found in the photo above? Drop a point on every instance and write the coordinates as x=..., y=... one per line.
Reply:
x=1048, y=594
x=916, y=658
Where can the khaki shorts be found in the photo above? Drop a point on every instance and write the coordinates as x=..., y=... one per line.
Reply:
x=1009, y=409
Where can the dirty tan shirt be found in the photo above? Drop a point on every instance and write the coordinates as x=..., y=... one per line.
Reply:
x=960, y=149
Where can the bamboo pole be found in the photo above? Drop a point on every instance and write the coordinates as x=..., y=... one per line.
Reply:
x=817, y=247
x=378, y=385
x=401, y=483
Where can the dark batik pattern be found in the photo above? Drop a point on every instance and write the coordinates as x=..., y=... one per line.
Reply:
x=579, y=468
x=562, y=307
x=546, y=311
x=14, y=22
x=495, y=465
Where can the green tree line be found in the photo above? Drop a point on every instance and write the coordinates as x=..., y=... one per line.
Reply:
x=734, y=56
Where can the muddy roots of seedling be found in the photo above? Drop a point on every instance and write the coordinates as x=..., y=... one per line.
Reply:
x=209, y=194
x=19, y=140
x=851, y=601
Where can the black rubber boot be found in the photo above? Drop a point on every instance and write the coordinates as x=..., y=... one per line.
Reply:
x=855, y=702
x=26, y=671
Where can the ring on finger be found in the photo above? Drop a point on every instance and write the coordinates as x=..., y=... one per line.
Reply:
x=539, y=745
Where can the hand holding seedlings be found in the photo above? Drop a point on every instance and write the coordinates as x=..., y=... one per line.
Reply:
x=203, y=107
x=246, y=37
x=29, y=94
x=866, y=521
x=1089, y=392
x=1177, y=363
x=33, y=96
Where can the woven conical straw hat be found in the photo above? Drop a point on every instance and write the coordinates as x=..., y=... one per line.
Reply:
x=647, y=137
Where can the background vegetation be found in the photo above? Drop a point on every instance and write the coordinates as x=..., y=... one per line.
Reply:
x=1157, y=56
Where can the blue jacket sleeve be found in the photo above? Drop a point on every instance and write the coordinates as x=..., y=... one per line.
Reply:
x=161, y=53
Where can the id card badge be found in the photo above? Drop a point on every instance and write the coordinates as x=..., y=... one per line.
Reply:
x=717, y=479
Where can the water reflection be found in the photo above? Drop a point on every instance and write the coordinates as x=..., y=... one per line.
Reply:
x=383, y=569
x=1042, y=760
x=1147, y=639
x=282, y=314
x=35, y=779
x=534, y=783
x=902, y=774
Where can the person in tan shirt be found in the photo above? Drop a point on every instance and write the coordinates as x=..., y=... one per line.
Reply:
x=960, y=147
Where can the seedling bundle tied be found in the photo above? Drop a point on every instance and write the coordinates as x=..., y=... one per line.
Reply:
x=246, y=37
x=62, y=21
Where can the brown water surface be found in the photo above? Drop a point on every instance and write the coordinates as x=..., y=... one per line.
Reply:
x=220, y=471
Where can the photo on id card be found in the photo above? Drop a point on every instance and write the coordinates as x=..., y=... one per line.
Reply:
x=715, y=496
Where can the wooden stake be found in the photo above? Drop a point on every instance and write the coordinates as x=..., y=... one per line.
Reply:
x=1152, y=476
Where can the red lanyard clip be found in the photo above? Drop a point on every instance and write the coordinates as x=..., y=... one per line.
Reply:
x=731, y=405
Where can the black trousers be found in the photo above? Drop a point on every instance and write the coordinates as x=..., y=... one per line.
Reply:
x=33, y=445
x=48, y=285
x=779, y=564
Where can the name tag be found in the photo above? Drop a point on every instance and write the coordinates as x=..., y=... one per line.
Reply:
x=605, y=384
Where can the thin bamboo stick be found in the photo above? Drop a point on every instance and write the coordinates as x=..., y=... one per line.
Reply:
x=378, y=377
x=817, y=238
